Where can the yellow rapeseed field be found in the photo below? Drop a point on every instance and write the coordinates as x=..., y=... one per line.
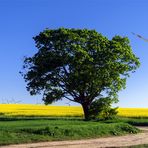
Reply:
x=50, y=111
x=39, y=110
x=133, y=112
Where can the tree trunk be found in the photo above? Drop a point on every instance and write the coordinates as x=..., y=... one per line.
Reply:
x=85, y=107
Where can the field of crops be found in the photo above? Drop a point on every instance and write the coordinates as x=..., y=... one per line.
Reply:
x=39, y=110
x=133, y=112
x=70, y=111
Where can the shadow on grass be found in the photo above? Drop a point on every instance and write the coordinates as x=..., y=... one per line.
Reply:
x=9, y=118
x=132, y=121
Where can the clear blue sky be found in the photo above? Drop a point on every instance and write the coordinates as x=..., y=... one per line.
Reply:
x=20, y=20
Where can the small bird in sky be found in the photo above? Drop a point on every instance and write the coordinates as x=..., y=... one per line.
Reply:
x=139, y=36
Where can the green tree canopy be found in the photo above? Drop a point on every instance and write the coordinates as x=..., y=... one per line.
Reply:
x=80, y=65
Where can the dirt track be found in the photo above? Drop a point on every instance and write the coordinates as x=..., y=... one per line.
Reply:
x=119, y=141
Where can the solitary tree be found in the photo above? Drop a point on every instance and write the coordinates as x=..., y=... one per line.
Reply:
x=80, y=65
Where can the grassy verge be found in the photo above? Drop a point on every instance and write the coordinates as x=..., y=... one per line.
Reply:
x=131, y=121
x=25, y=130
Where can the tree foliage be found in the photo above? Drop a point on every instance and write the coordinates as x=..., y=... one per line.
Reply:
x=102, y=109
x=78, y=64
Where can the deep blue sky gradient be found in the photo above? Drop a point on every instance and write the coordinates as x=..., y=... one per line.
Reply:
x=20, y=20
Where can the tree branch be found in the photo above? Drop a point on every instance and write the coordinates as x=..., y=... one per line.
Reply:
x=69, y=99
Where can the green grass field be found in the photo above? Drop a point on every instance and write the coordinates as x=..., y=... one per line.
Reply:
x=26, y=130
